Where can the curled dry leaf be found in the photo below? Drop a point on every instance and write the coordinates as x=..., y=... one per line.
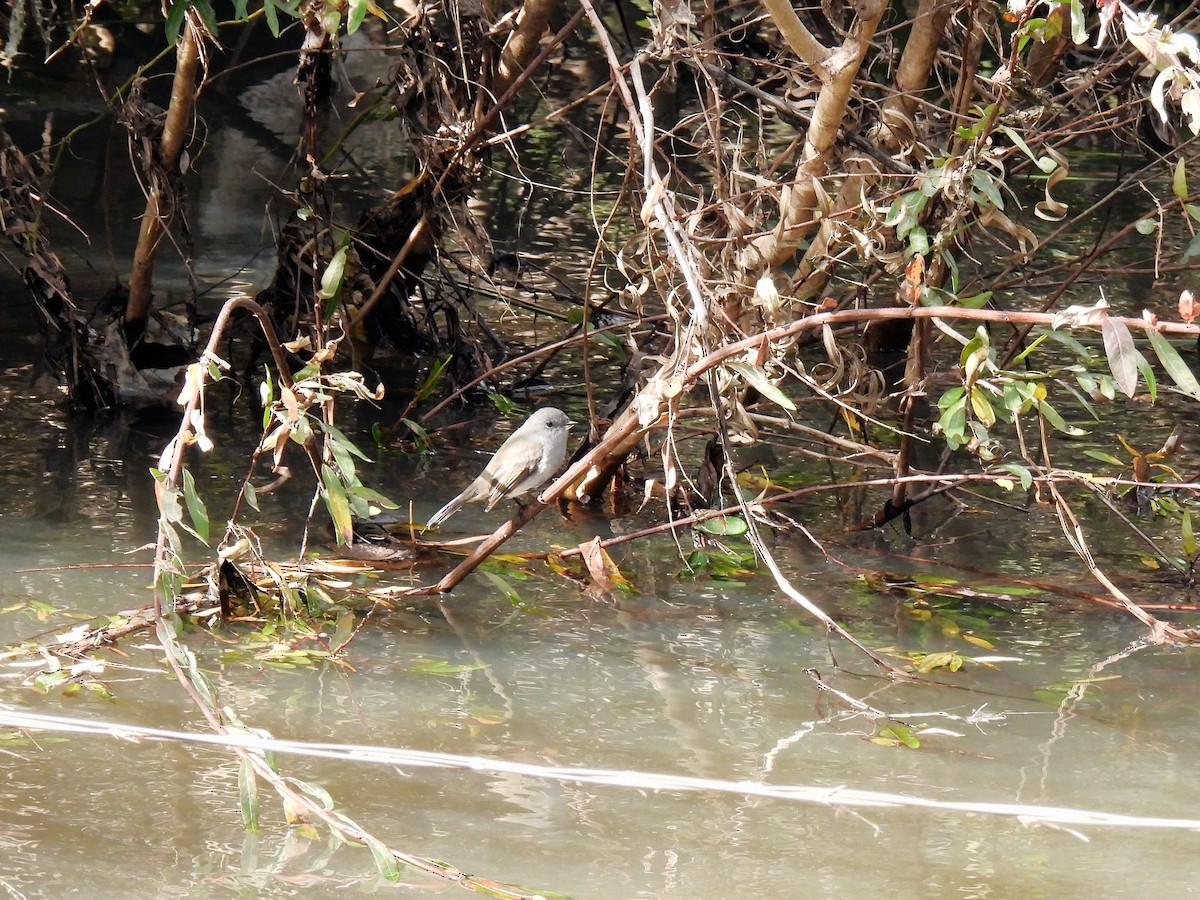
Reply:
x=1188, y=310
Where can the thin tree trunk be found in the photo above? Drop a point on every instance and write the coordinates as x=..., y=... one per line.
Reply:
x=175, y=131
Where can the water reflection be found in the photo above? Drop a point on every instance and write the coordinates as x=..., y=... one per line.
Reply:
x=687, y=677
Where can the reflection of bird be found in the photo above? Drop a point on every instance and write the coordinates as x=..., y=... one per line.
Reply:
x=523, y=463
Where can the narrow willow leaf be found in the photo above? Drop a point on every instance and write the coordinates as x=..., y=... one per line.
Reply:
x=431, y=380
x=272, y=16
x=1050, y=414
x=1180, y=372
x=1021, y=472
x=195, y=506
x=1179, y=185
x=250, y=495
x=345, y=462
x=248, y=789
x=174, y=22
x=1147, y=372
x=331, y=279
x=366, y=493
x=1121, y=353
x=979, y=642
x=385, y=860
x=758, y=380
x=1104, y=457
x=313, y=792
x=338, y=506
x=903, y=734
x=502, y=583
x=339, y=437
x=1189, y=537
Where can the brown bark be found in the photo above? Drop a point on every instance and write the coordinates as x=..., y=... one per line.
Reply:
x=175, y=131
x=522, y=43
x=912, y=73
x=798, y=204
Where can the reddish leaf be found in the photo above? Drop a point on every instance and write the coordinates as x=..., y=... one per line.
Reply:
x=1188, y=309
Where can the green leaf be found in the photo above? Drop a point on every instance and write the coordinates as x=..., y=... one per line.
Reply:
x=1050, y=414
x=250, y=495
x=975, y=301
x=503, y=404
x=985, y=183
x=345, y=462
x=1101, y=456
x=207, y=15
x=1146, y=226
x=758, y=380
x=174, y=23
x=1180, y=372
x=45, y=682
x=901, y=734
x=248, y=790
x=339, y=507
x=442, y=667
x=1044, y=163
x=195, y=506
x=431, y=380
x=313, y=792
x=1121, y=353
x=724, y=526
x=419, y=434
x=331, y=281
x=272, y=17
x=1147, y=373
x=946, y=659
x=505, y=588
x=918, y=241
x=951, y=398
x=372, y=496
x=982, y=408
x=339, y=437
x=1021, y=472
x=1189, y=537
x=358, y=12
x=168, y=504
x=385, y=860
x=1179, y=185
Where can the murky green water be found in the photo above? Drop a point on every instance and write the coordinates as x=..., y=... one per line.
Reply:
x=686, y=677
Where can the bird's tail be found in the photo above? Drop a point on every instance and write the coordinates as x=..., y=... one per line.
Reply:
x=447, y=511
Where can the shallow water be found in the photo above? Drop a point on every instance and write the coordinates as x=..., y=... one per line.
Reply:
x=679, y=680
x=695, y=678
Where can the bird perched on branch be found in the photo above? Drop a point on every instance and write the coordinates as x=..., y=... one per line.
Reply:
x=523, y=463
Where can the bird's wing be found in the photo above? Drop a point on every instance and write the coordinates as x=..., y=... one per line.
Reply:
x=500, y=485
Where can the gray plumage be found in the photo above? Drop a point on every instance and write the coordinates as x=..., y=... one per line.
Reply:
x=524, y=462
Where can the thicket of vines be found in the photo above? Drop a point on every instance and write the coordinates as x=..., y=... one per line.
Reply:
x=856, y=214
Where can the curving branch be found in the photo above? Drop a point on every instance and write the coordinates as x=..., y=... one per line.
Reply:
x=798, y=204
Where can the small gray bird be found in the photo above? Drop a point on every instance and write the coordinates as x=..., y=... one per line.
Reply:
x=523, y=463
